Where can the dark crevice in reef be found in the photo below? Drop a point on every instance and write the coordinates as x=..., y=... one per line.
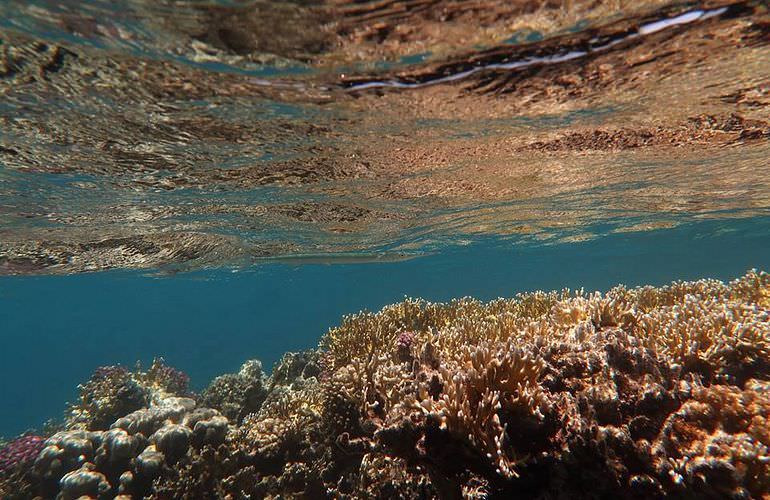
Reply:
x=636, y=393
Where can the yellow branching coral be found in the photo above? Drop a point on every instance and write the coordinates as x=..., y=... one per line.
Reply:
x=493, y=383
x=754, y=287
x=483, y=386
x=709, y=332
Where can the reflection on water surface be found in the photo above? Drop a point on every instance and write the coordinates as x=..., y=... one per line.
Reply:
x=187, y=134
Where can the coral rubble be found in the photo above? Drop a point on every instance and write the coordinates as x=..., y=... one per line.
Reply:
x=635, y=393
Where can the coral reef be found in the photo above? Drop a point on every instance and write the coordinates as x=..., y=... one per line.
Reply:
x=237, y=395
x=128, y=457
x=635, y=393
x=114, y=391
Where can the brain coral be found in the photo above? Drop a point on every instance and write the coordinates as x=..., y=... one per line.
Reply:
x=636, y=393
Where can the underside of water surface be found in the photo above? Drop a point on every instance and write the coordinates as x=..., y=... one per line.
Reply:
x=201, y=184
x=181, y=135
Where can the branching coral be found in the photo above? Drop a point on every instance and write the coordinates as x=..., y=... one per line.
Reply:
x=110, y=393
x=484, y=389
x=511, y=393
x=162, y=377
x=19, y=451
x=15, y=459
x=639, y=393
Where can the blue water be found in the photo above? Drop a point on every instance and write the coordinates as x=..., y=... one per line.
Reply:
x=57, y=329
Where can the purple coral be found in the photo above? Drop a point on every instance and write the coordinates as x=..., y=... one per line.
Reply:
x=20, y=451
x=405, y=340
x=404, y=345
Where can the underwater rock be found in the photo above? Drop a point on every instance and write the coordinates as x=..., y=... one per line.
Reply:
x=149, y=463
x=126, y=482
x=66, y=451
x=131, y=454
x=135, y=448
x=118, y=447
x=148, y=420
x=638, y=393
x=208, y=425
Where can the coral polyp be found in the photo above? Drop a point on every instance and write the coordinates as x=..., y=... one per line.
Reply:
x=637, y=393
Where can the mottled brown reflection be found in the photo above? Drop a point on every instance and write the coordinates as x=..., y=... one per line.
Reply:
x=324, y=33
x=391, y=29
x=195, y=141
